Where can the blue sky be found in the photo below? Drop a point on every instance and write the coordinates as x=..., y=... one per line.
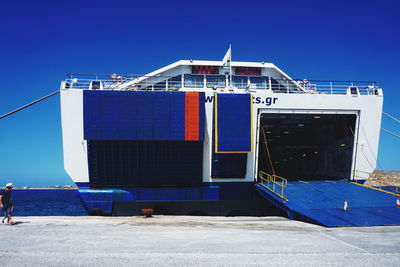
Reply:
x=41, y=41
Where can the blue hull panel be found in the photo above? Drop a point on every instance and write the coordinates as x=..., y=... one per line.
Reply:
x=104, y=198
x=237, y=198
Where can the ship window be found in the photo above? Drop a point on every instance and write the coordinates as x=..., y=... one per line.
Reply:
x=175, y=82
x=277, y=86
x=259, y=82
x=239, y=82
x=160, y=86
x=95, y=85
x=215, y=81
x=196, y=81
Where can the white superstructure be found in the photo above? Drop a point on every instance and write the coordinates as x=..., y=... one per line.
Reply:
x=273, y=92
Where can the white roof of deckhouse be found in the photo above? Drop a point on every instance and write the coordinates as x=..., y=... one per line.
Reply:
x=182, y=67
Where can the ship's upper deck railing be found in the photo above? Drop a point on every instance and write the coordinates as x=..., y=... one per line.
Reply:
x=218, y=82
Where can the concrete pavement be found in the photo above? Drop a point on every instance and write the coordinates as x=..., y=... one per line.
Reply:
x=193, y=241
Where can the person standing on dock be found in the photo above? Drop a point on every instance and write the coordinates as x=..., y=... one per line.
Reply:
x=6, y=204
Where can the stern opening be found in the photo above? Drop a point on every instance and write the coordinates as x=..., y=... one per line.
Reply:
x=306, y=146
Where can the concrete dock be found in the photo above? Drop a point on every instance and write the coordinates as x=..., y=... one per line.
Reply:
x=193, y=241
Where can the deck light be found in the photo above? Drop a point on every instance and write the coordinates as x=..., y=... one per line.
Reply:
x=285, y=132
x=300, y=124
x=304, y=155
x=317, y=117
x=315, y=152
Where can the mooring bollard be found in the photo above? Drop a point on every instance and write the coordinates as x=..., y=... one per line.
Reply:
x=147, y=212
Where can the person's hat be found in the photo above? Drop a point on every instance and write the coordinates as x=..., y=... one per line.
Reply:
x=9, y=185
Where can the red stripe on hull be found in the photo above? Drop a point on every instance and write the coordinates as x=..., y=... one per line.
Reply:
x=192, y=116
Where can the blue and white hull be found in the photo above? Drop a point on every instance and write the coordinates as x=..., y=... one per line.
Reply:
x=191, y=140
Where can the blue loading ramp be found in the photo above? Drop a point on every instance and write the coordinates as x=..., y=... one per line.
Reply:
x=322, y=202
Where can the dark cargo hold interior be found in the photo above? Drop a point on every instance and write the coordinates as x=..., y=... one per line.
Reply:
x=306, y=146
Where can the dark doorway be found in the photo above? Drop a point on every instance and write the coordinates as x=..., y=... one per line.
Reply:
x=306, y=146
x=145, y=163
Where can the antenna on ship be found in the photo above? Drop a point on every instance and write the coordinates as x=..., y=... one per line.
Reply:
x=226, y=62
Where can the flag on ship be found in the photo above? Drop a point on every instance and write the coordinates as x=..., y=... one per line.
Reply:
x=226, y=61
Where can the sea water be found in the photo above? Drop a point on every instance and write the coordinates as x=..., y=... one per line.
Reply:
x=47, y=202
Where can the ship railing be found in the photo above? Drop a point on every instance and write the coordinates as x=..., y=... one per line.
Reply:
x=166, y=83
x=379, y=181
x=341, y=87
x=273, y=183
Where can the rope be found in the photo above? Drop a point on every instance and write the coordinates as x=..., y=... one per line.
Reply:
x=393, y=118
x=268, y=154
x=365, y=156
x=362, y=149
x=390, y=132
x=352, y=132
x=370, y=148
x=29, y=104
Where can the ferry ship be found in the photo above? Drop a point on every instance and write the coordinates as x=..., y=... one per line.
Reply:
x=217, y=138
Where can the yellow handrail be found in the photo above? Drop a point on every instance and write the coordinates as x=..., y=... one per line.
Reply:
x=273, y=183
x=377, y=181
